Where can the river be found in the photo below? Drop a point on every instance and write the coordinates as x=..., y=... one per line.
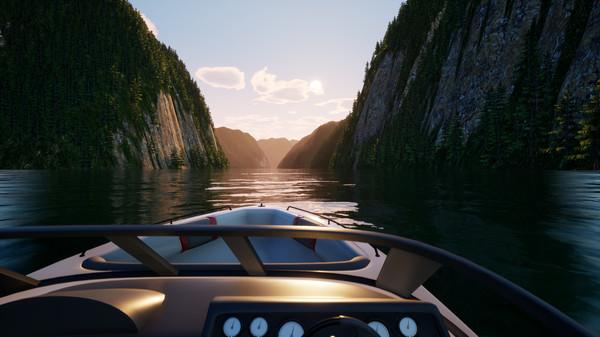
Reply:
x=540, y=229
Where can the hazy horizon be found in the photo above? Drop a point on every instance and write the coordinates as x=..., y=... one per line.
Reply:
x=281, y=71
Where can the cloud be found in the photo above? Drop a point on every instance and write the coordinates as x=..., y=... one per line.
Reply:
x=272, y=90
x=151, y=26
x=342, y=105
x=222, y=77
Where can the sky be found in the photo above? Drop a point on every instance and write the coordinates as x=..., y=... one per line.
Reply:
x=273, y=68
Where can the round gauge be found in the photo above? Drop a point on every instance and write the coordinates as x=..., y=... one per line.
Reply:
x=259, y=327
x=408, y=327
x=291, y=329
x=232, y=327
x=380, y=328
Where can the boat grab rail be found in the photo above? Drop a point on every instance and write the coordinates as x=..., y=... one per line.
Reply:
x=419, y=260
x=187, y=215
x=329, y=221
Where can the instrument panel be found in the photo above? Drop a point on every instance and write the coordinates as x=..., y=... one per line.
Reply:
x=268, y=317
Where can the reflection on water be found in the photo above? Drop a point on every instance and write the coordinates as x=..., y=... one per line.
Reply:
x=540, y=230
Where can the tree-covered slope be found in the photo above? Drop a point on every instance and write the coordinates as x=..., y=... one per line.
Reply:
x=314, y=150
x=276, y=148
x=479, y=82
x=85, y=84
x=241, y=149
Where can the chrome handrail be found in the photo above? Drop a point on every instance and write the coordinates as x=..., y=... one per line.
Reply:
x=329, y=221
x=187, y=215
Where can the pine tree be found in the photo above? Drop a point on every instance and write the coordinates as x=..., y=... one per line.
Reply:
x=588, y=136
x=176, y=161
x=455, y=141
x=562, y=138
x=491, y=129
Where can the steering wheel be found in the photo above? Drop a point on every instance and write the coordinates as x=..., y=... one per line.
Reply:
x=341, y=326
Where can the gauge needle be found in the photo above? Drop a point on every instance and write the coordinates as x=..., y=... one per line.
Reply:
x=292, y=334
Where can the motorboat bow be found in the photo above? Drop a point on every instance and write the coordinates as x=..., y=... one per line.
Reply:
x=250, y=271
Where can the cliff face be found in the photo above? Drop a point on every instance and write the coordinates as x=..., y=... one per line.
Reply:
x=439, y=62
x=276, y=148
x=172, y=141
x=85, y=84
x=315, y=150
x=241, y=149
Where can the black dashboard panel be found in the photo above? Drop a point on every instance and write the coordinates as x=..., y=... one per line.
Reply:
x=277, y=311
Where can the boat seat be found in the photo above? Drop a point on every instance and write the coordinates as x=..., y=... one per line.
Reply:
x=280, y=252
x=270, y=250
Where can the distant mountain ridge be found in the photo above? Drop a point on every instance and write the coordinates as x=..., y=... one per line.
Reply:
x=276, y=149
x=86, y=84
x=314, y=150
x=241, y=149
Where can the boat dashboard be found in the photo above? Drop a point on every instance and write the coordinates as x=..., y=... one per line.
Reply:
x=282, y=317
x=217, y=307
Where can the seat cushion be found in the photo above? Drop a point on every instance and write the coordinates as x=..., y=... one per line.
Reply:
x=189, y=242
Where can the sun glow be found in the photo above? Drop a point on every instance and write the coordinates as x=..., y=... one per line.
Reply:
x=316, y=87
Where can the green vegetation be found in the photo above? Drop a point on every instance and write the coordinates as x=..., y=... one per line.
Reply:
x=175, y=160
x=588, y=136
x=74, y=74
x=562, y=139
x=530, y=125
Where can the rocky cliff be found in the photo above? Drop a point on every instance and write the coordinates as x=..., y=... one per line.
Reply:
x=86, y=84
x=276, y=148
x=241, y=149
x=315, y=150
x=173, y=140
x=435, y=75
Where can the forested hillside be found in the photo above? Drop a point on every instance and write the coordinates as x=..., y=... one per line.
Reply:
x=478, y=82
x=314, y=150
x=241, y=149
x=85, y=84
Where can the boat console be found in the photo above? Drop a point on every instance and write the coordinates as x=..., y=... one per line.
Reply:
x=219, y=307
x=285, y=317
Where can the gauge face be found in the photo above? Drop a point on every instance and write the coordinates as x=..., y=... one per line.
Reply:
x=232, y=327
x=408, y=327
x=259, y=327
x=380, y=328
x=291, y=329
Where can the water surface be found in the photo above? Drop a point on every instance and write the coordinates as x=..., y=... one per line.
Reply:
x=538, y=229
